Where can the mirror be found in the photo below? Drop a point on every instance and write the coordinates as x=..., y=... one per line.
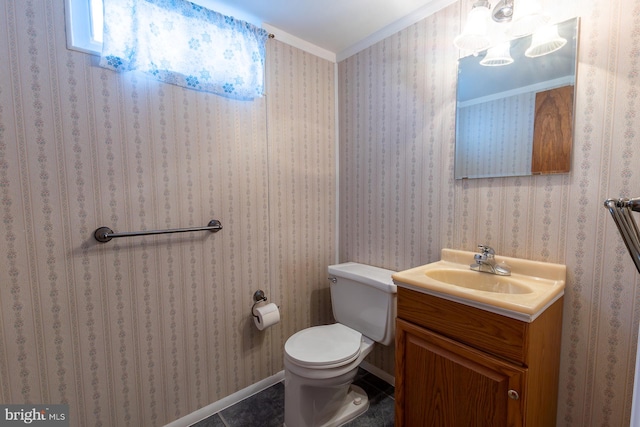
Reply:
x=517, y=119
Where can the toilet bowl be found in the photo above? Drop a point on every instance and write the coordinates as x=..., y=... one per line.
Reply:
x=322, y=361
x=320, y=365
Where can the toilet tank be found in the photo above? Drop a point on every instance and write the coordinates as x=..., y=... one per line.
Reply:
x=363, y=298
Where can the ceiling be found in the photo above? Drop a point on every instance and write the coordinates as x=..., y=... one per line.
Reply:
x=332, y=25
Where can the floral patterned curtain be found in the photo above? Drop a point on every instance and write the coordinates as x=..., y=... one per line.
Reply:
x=184, y=44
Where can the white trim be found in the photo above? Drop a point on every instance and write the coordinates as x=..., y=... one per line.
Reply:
x=78, y=20
x=300, y=43
x=383, y=375
x=78, y=17
x=256, y=388
x=226, y=402
x=534, y=88
x=635, y=402
x=337, y=158
x=399, y=25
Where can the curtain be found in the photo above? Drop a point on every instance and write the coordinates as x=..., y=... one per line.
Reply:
x=184, y=44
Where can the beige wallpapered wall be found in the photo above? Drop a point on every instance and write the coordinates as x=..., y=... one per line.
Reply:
x=485, y=149
x=400, y=205
x=141, y=331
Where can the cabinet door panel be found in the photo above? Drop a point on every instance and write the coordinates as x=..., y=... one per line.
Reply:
x=448, y=384
x=483, y=330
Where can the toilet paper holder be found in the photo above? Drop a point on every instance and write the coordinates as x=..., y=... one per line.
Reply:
x=258, y=297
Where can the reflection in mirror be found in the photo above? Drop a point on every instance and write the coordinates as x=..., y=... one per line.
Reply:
x=517, y=119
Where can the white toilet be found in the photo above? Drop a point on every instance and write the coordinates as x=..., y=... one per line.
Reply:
x=321, y=362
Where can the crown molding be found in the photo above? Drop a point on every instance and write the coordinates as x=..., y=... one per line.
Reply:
x=391, y=29
x=300, y=43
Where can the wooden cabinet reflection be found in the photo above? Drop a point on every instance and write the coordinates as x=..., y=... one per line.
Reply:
x=552, y=133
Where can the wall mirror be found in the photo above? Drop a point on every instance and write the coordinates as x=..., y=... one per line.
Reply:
x=517, y=119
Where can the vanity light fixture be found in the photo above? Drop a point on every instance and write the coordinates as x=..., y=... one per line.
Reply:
x=503, y=12
x=498, y=55
x=475, y=35
x=527, y=18
x=544, y=41
x=485, y=29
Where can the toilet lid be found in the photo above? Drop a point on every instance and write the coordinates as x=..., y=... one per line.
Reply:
x=323, y=345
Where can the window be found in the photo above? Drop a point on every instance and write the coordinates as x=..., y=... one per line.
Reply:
x=97, y=20
x=85, y=22
x=84, y=25
x=175, y=41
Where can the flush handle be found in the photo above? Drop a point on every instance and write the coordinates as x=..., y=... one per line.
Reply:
x=513, y=395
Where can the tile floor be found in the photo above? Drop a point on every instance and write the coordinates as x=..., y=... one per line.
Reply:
x=266, y=409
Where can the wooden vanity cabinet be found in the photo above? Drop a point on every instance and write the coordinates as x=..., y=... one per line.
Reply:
x=459, y=366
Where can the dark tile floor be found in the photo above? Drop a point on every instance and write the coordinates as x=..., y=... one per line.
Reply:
x=266, y=409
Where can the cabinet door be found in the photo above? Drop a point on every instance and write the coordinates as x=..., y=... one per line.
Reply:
x=442, y=383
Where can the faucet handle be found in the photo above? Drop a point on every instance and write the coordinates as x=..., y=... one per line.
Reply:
x=486, y=250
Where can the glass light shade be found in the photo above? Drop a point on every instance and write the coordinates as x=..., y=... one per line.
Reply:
x=475, y=36
x=498, y=55
x=544, y=41
x=527, y=18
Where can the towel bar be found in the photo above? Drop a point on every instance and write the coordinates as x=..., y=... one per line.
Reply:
x=105, y=234
x=621, y=211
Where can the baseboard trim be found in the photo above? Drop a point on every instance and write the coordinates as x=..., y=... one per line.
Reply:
x=225, y=402
x=385, y=376
x=232, y=399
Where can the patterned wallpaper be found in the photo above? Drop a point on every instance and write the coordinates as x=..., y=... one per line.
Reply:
x=145, y=330
x=495, y=138
x=400, y=205
x=141, y=331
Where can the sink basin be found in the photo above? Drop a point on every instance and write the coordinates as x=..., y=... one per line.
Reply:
x=532, y=287
x=481, y=282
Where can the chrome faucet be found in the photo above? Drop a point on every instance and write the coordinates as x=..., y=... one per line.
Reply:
x=486, y=262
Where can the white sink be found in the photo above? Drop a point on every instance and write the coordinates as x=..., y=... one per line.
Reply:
x=524, y=295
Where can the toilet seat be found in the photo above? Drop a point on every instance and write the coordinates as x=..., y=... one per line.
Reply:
x=323, y=346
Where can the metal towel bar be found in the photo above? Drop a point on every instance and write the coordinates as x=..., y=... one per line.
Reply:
x=621, y=211
x=634, y=204
x=105, y=234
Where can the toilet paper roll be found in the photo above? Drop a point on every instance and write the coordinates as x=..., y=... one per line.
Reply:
x=266, y=315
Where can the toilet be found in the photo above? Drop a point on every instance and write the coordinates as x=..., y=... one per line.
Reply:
x=321, y=362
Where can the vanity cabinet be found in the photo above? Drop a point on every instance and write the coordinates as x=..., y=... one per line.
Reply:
x=460, y=366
